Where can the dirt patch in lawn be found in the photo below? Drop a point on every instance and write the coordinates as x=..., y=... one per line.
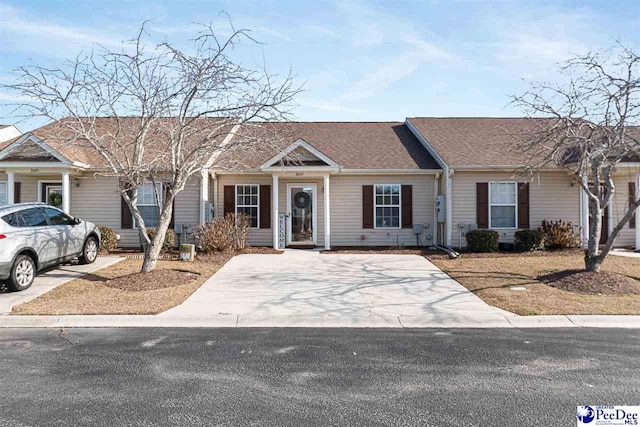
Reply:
x=492, y=279
x=120, y=289
x=586, y=282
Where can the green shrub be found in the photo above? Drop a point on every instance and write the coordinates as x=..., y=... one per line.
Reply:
x=169, y=238
x=530, y=239
x=108, y=240
x=482, y=241
x=223, y=234
x=559, y=235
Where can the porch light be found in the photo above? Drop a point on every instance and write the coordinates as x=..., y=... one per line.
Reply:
x=76, y=182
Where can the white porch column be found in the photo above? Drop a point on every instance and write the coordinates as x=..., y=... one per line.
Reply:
x=584, y=212
x=638, y=214
x=448, y=206
x=11, y=180
x=274, y=208
x=204, y=195
x=66, y=193
x=327, y=215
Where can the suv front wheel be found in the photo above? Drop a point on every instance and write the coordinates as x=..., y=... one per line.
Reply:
x=90, y=251
x=23, y=272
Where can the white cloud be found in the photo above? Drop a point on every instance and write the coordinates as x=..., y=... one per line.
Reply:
x=329, y=106
x=33, y=34
x=373, y=30
x=325, y=31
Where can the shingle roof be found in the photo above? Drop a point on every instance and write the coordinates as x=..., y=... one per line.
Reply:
x=479, y=141
x=352, y=145
x=62, y=139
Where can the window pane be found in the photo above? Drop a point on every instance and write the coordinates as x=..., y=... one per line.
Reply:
x=150, y=215
x=3, y=193
x=379, y=190
x=503, y=216
x=11, y=219
x=503, y=193
x=33, y=217
x=57, y=218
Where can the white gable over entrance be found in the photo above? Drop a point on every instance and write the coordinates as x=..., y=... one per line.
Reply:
x=300, y=154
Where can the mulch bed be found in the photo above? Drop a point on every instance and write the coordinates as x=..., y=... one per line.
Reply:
x=156, y=279
x=586, y=282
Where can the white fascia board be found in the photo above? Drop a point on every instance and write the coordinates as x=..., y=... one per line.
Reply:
x=31, y=137
x=280, y=169
x=299, y=143
x=390, y=171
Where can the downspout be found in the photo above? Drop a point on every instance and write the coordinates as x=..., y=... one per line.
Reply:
x=436, y=190
x=448, y=205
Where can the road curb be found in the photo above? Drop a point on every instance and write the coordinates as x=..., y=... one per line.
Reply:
x=258, y=321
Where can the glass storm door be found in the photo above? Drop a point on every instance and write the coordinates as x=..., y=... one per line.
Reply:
x=301, y=213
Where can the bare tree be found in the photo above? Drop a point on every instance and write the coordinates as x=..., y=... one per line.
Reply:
x=155, y=112
x=596, y=111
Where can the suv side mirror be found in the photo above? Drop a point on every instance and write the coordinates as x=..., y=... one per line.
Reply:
x=76, y=221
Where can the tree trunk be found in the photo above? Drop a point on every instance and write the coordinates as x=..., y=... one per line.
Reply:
x=592, y=263
x=592, y=256
x=151, y=254
x=153, y=249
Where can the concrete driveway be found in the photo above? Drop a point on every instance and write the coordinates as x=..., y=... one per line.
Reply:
x=300, y=286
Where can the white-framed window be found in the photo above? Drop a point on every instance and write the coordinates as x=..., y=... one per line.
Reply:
x=503, y=205
x=148, y=203
x=3, y=193
x=248, y=202
x=387, y=205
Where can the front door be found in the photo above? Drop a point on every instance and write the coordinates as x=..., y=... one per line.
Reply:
x=301, y=211
x=52, y=194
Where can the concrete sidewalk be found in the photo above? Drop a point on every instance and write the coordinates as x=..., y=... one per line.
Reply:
x=50, y=279
x=243, y=321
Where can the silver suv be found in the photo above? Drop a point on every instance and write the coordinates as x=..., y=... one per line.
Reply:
x=34, y=236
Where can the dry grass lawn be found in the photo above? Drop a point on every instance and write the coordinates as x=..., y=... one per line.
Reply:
x=91, y=294
x=490, y=278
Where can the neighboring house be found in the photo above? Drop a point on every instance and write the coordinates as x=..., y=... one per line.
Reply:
x=332, y=184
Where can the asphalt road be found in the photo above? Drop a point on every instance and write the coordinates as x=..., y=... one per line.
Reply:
x=313, y=376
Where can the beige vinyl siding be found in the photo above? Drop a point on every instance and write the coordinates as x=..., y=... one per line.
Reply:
x=29, y=184
x=97, y=199
x=346, y=211
x=551, y=197
x=620, y=205
x=256, y=237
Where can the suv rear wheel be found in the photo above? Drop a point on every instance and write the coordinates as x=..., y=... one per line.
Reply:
x=90, y=251
x=23, y=272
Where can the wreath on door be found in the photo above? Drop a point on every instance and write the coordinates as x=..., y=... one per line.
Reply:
x=302, y=200
x=55, y=199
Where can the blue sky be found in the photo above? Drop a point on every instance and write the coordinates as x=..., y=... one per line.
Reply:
x=359, y=60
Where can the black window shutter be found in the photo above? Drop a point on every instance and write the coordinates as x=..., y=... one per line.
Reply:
x=482, y=204
x=16, y=192
x=229, y=199
x=126, y=220
x=172, y=223
x=523, y=205
x=632, y=199
x=367, y=206
x=265, y=207
x=407, y=206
